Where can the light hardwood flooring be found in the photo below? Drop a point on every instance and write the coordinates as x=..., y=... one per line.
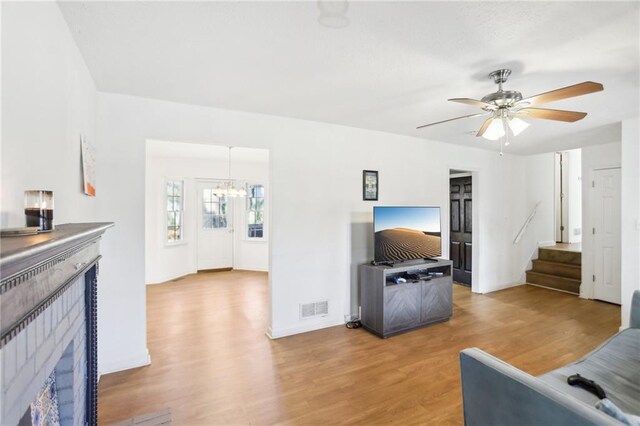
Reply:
x=213, y=364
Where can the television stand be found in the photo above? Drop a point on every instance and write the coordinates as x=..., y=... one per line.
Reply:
x=389, y=308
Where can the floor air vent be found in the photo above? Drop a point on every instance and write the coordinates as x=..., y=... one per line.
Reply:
x=309, y=310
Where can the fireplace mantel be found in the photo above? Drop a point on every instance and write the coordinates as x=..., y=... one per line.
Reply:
x=48, y=302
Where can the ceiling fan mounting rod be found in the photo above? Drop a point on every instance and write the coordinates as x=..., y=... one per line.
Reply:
x=500, y=76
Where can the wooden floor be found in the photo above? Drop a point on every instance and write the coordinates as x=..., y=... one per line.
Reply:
x=213, y=364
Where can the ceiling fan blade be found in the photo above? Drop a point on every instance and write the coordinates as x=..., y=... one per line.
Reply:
x=452, y=119
x=566, y=92
x=551, y=114
x=473, y=102
x=485, y=126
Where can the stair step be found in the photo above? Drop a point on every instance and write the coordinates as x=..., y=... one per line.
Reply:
x=553, y=281
x=560, y=256
x=556, y=268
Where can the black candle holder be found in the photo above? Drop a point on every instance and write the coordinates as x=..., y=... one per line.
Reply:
x=38, y=209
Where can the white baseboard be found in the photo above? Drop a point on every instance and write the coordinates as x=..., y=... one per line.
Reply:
x=504, y=287
x=140, y=360
x=250, y=269
x=304, y=327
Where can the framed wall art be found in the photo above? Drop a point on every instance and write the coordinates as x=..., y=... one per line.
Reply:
x=369, y=185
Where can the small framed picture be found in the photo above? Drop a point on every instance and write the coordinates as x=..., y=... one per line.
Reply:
x=370, y=185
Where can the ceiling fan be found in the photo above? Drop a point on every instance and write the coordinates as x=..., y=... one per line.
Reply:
x=506, y=107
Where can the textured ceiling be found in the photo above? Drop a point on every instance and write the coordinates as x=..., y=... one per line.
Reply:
x=392, y=69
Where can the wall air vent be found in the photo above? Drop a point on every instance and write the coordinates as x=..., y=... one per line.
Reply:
x=315, y=309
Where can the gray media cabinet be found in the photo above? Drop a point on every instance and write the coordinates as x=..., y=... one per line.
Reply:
x=389, y=308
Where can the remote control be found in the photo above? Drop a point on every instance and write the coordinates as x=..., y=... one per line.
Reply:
x=586, y=384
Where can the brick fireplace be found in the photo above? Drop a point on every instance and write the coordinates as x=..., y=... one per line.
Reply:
x=48, y=322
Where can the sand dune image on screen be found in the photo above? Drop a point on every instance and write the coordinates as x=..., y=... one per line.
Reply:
x=403, y=243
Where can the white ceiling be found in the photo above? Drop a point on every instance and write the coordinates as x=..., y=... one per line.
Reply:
x=392, y=69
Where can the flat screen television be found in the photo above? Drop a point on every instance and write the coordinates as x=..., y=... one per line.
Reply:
x=406, y=233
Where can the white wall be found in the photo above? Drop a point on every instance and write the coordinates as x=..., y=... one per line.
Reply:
x=48, y=100
x=630, y=221
x=574, y=189
x=315, y=181
x=593, y=157
x=165, y=262
x=539, y=188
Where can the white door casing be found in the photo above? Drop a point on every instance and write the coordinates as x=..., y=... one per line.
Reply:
x=214, y=228
x=606, y=208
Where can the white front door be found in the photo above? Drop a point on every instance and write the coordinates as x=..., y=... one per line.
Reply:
x=606, y=234
x=215, y=228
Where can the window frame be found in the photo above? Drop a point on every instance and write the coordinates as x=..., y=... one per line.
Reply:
x=247, y=210
x=166, y=211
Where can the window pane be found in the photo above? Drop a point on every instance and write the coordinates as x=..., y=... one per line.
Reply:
x=223, y=208
x=219, y=221
x=252, y=203
x=207, y=221
x=260, y=191
x=174, y=206
x=206, y=195
x=259, y=217
x=251, y=219
x=260, y=204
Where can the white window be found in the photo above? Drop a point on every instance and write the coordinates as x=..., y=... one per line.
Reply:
x=214, y=209
x=175, y=209
x=255, y=211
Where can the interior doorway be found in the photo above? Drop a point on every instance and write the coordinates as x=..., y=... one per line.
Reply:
x=568, y=196
x=461, y=226
x=561, y=180
x=206, y=208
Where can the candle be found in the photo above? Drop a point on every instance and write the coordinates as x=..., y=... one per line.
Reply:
x=38, y=209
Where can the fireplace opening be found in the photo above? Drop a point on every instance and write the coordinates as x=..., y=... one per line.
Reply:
x=55, y=402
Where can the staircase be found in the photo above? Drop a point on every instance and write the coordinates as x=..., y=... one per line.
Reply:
x=557, y=270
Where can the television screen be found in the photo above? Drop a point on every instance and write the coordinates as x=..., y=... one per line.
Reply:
x=404, y=233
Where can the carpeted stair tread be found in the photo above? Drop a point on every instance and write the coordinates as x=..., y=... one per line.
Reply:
x=570, y=285
x=560, y=256
x=565, y=270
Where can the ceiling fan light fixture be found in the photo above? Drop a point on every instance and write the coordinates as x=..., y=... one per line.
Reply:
x=495, y=130
x=517, y=125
